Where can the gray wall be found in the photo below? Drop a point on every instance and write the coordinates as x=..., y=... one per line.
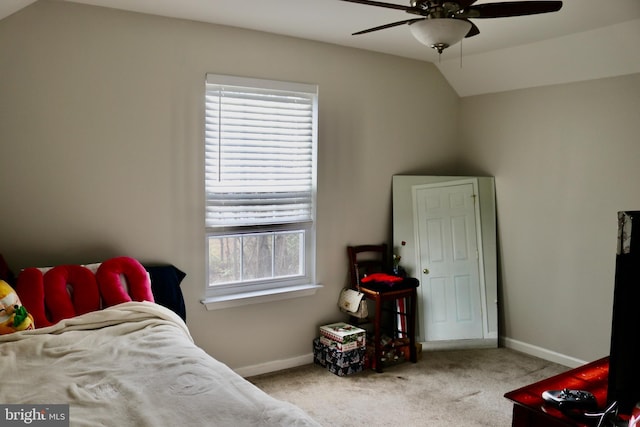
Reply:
x=565, y=158
x=101, y=152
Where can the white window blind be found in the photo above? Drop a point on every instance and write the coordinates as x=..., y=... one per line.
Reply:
x=259, y=148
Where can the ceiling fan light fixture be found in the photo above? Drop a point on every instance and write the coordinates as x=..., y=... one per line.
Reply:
x=440, y=33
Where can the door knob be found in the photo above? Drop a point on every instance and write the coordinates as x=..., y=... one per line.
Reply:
x=425, y=271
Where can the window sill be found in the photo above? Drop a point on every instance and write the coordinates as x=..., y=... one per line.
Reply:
x=256, y=297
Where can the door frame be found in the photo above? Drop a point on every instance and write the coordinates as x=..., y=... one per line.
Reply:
x=479, y=246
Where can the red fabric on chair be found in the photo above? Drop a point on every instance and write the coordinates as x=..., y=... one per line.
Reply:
x=381, y=277
x=70, y=290
x=30, y=289
x=112, y=288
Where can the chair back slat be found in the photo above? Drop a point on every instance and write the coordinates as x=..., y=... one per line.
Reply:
x=365, y=260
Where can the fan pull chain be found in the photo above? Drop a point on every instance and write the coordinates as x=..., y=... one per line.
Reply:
x=460, y=54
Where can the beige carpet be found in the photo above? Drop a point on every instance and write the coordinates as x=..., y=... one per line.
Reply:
x=445, y=388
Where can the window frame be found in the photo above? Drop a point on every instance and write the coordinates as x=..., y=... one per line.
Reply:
x=253, y=291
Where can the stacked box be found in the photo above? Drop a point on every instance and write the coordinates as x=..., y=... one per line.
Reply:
x=345, y=336
x=339, y=345
x=344, y=363
x=338, y=362
x=319, y=353
x=341, y=348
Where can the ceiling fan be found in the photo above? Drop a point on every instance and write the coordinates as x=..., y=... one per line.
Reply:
x=444, y=23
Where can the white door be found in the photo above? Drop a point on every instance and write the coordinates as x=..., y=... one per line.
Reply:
x=447, y=244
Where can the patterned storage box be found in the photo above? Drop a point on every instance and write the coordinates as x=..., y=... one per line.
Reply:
x=340, y=346
x=338, y=362
x=344, y=334
x=319, y=353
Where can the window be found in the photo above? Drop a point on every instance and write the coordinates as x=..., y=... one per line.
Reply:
x=260, y=182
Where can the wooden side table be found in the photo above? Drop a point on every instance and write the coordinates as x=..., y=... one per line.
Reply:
x=530, y=410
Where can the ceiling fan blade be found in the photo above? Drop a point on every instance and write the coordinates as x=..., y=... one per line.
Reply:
x=473, y=31
x=512, y=8
x=393, y=24
x=388, y=5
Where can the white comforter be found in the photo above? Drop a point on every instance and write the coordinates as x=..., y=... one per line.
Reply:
x=134, y=364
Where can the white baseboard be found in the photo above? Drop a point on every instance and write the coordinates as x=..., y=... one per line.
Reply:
x=275, y=365
x=542, y=353
x=459, y=344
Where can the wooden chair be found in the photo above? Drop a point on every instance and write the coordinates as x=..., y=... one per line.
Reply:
x=368, y=259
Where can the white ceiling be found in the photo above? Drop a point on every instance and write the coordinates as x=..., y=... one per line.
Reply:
x=586, y=39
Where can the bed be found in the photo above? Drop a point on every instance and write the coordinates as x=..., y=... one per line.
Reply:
x=123, y=363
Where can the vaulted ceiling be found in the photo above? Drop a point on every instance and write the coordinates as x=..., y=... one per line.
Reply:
x=586, y=39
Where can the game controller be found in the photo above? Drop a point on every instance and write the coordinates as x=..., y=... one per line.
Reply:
x=571, y=399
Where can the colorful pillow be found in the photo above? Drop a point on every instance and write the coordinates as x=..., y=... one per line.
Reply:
x=13, y=315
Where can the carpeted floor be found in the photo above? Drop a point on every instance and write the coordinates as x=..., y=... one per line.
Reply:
x=445, y=388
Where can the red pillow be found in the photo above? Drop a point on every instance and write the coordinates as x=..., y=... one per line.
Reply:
x=112, y=288
x=30, y=289
x=70, y=290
